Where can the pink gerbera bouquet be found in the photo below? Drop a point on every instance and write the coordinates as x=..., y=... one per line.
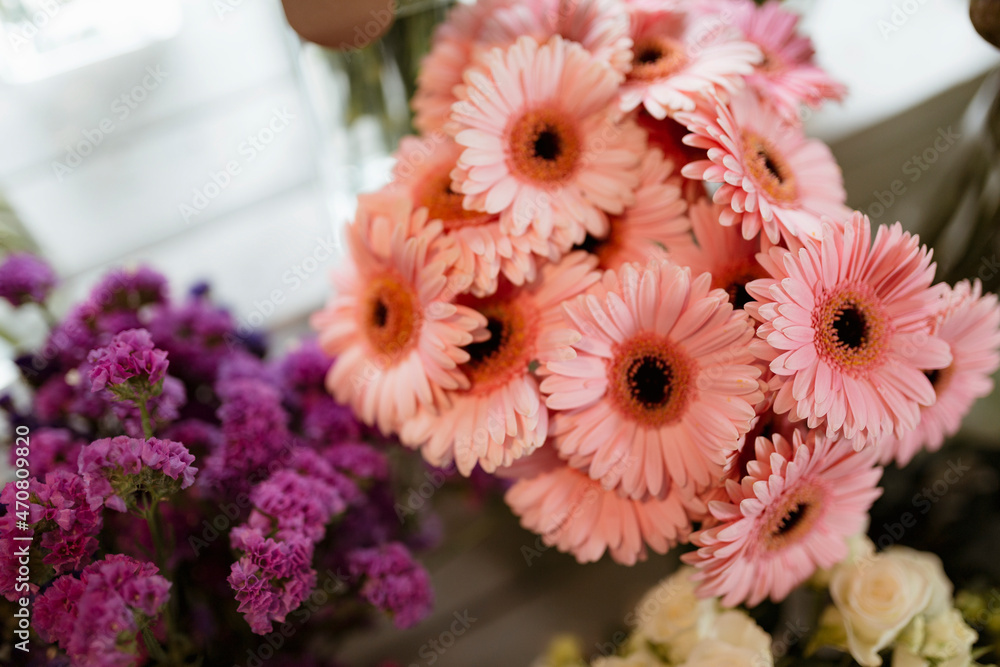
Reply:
x=613, y=269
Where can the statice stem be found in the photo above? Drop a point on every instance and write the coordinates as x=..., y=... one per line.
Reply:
x=147, y=426
x=152, y=514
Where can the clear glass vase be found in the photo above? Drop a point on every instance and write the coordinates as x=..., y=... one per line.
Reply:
x=360, y=100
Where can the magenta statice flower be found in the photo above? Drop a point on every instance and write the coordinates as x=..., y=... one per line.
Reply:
x=115, y=470
x=131, y=356
x=271, y=578
x=51, y=449
x=393, y=582
x=255, y=430
x=297, y=504
x=96, y=619
x=24, y=278
x=196, y=334
x=60, y=511
x=359, y=460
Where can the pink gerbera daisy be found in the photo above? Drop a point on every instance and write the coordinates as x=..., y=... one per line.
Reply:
x=423, y=172
x=576, y=515
x=600, y=26
x=786, y=77
x=668, y=135
x=970, y=324
x=721, y=251
x=500, y=416
x=677, y=59
x=844, y=326
x=772, y=177
x=791, y=514
x=661, y=380
x=455, y=45
x=653, y=224
x=543, y=142
x=391, y=323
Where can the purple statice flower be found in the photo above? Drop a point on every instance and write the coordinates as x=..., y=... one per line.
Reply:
x=96, y=618
x=325, y=421
x=296, y=503
x=131, y=358
x=54, y=612
x=305, y=368
x=116, y=469
x=51, y=449
x=122, y=290
x=69, y=526
x=392, y=581
x=255, y=431
x=272, y=577
x=197, y=335
x=314, y=464
x=24, y=278
x=200, y=437
x=67, y=396
x=244, y=366
x=359, y=460
x=163, y=408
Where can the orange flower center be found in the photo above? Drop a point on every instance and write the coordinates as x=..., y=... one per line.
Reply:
x=445, y=204
x=390, y=316
x=656, y=58
x=768, y=169
x=793, y=517
x=650, y=379
x=544, y=146
x=506, y=354
x=851, y=329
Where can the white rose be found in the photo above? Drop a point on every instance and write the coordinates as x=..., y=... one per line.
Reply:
x=738, y=642
x=949, y=637
x=941, y=587
x=859, y=547
x=673, y=616
x=877, y=598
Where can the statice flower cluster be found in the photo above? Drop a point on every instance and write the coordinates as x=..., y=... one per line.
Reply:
x=25, y=279
x=99, y=616
x=179, y=476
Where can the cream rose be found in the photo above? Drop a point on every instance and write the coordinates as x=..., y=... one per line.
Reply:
x=672, y=616
x=877, y=597
x=738, y=642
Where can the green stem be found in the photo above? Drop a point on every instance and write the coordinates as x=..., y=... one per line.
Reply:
x=152, y=514
x=147, y=426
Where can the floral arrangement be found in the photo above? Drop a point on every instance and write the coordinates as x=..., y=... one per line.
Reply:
x=176, y=497
x=612, y=268
x=898, y=599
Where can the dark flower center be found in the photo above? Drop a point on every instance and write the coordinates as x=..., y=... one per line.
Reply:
x=482, y=352
x=851, y=327
x=548, y=145
x=650, y=379
x=380, y=314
